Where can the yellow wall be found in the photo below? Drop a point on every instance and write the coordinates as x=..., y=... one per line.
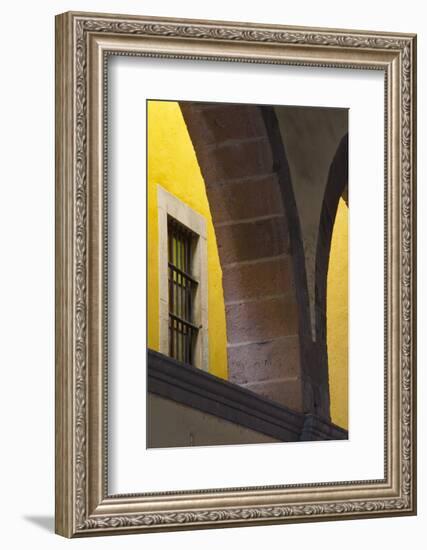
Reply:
x=337, y=318
x=172, y=163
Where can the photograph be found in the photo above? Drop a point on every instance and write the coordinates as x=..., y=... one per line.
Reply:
x=247, y=273
x=232, y=346
x=217, y=210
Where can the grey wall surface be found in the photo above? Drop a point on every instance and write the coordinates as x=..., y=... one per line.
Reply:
x=171, y=424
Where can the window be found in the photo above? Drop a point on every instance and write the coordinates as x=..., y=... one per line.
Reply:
x=183, y=281
x=183, y=328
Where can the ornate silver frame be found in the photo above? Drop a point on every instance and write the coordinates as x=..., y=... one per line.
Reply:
x=83, y=506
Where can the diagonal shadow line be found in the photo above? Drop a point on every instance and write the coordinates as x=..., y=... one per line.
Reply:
x=45, y=522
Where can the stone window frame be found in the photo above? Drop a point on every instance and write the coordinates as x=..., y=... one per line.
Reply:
x=170, y=205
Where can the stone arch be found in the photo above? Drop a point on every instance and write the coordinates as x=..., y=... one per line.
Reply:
x=330, y=187
x=255, y=243
x=276, y=343
x=337, y=187
x=313, y=358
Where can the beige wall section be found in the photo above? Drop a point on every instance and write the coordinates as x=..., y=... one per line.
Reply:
x=171, y=424
x=310, y=137
x=172, y=164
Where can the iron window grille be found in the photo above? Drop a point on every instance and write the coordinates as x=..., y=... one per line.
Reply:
x=183, y=329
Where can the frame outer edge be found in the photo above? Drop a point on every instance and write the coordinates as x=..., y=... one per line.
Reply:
x=413, y=252
x=64, y=237
x=248, y=25
x=72, y=400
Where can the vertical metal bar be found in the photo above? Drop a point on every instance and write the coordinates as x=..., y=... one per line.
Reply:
x=187, y=347
x=182, y=278
x=190, y=303
x=186, y=280
x=187, y=284
x=179, y=341
x=170, y=275
x=171, y=337
x=179, y=275
x=174, y=337
x=170, y=306
x=185, y=344
x=174, y=274
x=173, y=332
x=188, y=300
x=178, y=293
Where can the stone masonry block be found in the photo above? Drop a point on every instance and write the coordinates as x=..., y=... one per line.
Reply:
x=264, y=278
x=262, y=319
x=264, y=361
x=251, y=198
x=215, y=123
x=252, y=240
x=238, y=159
x=231, y=122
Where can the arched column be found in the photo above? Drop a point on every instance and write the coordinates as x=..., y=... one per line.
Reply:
x=274, y=259
x=235, y=155
x=310, y=263
x=336, y=187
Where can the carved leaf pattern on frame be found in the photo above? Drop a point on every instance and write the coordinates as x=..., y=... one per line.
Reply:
x=211, y=31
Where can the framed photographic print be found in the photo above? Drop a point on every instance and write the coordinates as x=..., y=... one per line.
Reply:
x=235, y=274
